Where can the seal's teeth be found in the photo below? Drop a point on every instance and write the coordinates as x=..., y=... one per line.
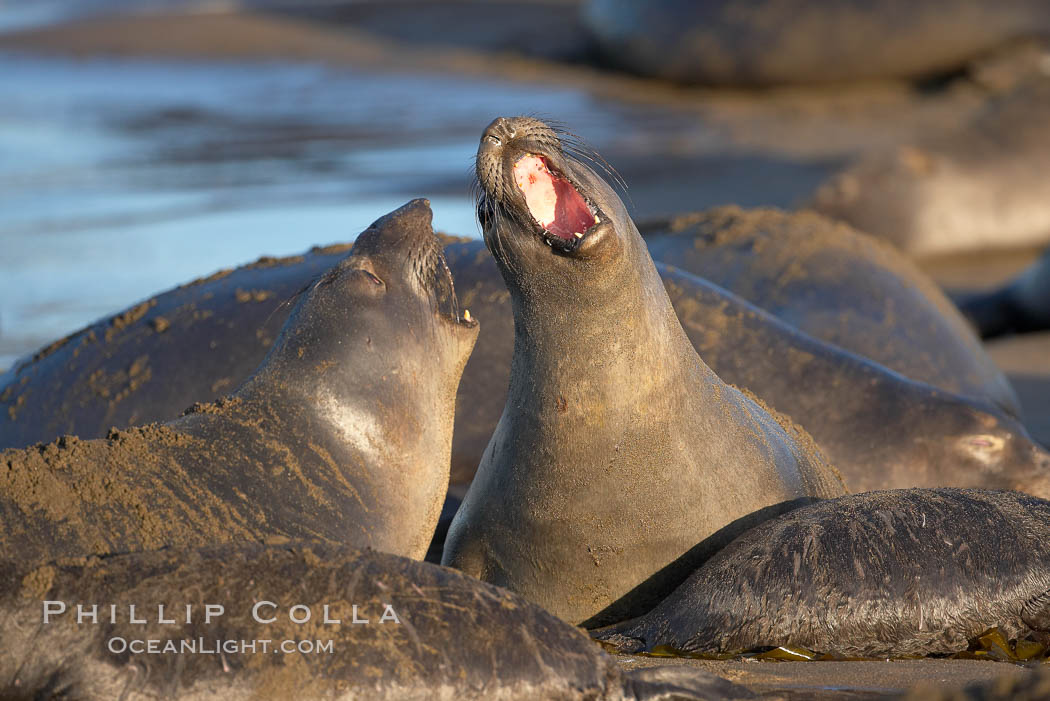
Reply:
x=597, y=220
x=578, y=235
x=466, y=315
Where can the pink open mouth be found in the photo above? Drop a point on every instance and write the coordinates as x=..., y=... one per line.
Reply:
x=552, y=200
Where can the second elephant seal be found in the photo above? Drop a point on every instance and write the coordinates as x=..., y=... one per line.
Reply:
x=342, y=435
x=621, y=460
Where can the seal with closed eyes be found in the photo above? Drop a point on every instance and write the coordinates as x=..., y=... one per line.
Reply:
x=342, y=435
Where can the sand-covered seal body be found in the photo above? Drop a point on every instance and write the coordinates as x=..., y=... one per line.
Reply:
x=323, y=622
x=618, y=451
x=775, y=42
x=840, y=286
x=343, y=433
x=878, y=574
x=1020, y=306
x=147, y=363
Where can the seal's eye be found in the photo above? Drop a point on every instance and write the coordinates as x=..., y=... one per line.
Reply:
x=365, y=281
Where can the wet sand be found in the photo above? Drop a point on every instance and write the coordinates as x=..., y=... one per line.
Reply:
x=820, y=681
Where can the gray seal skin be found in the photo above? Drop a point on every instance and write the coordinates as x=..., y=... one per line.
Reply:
x=879, y=574
x=775, y=42
x=445, y=636
x=840, y=286
x=621, y=460
x=879, y=429
x=982, y=186
x=1020, y=306
x=343, y=434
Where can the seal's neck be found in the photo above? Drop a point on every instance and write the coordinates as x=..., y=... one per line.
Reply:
x=386, y=435
x=588, y=338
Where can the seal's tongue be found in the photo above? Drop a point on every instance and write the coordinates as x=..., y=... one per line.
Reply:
x=552, y=200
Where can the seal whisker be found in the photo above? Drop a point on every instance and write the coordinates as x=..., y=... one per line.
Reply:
x=578, y=147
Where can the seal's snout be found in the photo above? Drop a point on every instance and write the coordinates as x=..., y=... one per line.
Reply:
x=498, y=132
x=409, y=225
x=414, y=218
x=402, y=245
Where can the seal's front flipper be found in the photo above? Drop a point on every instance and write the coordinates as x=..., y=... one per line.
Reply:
x=1036, y=612
x=681, y=684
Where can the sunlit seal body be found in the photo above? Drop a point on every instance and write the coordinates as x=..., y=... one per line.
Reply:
x=838, y=285
x=1020, y=306
x=379, y=627
x=620, y=460
x=969, y=190
x=773, y=42
x=343, y=433
x=881, y=430
x=879, y=574
x=914, y=434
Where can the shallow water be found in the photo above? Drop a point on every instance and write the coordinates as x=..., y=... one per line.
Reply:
x=122, y=178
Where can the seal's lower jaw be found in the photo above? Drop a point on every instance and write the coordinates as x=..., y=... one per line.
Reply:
x=563, y=216
x=444, y=294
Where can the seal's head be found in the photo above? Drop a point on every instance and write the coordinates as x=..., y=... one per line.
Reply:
x=387, y=310
x=542, y=208
x=998, y=453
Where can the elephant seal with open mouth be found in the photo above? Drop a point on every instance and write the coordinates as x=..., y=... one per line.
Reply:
x=621, y=460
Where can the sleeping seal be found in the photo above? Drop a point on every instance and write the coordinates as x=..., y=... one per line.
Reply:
x=878, y=574
x=621, y=460
x=968, y=190
x=343, y=433
x=304, y=622
x=776, y=42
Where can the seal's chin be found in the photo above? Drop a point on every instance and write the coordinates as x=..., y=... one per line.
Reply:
x=562, y=214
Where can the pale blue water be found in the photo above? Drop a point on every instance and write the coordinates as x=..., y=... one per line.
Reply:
x=119, y=179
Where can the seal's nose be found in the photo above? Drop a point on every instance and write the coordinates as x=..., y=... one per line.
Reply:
x=498, y=132
x=408, y=225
